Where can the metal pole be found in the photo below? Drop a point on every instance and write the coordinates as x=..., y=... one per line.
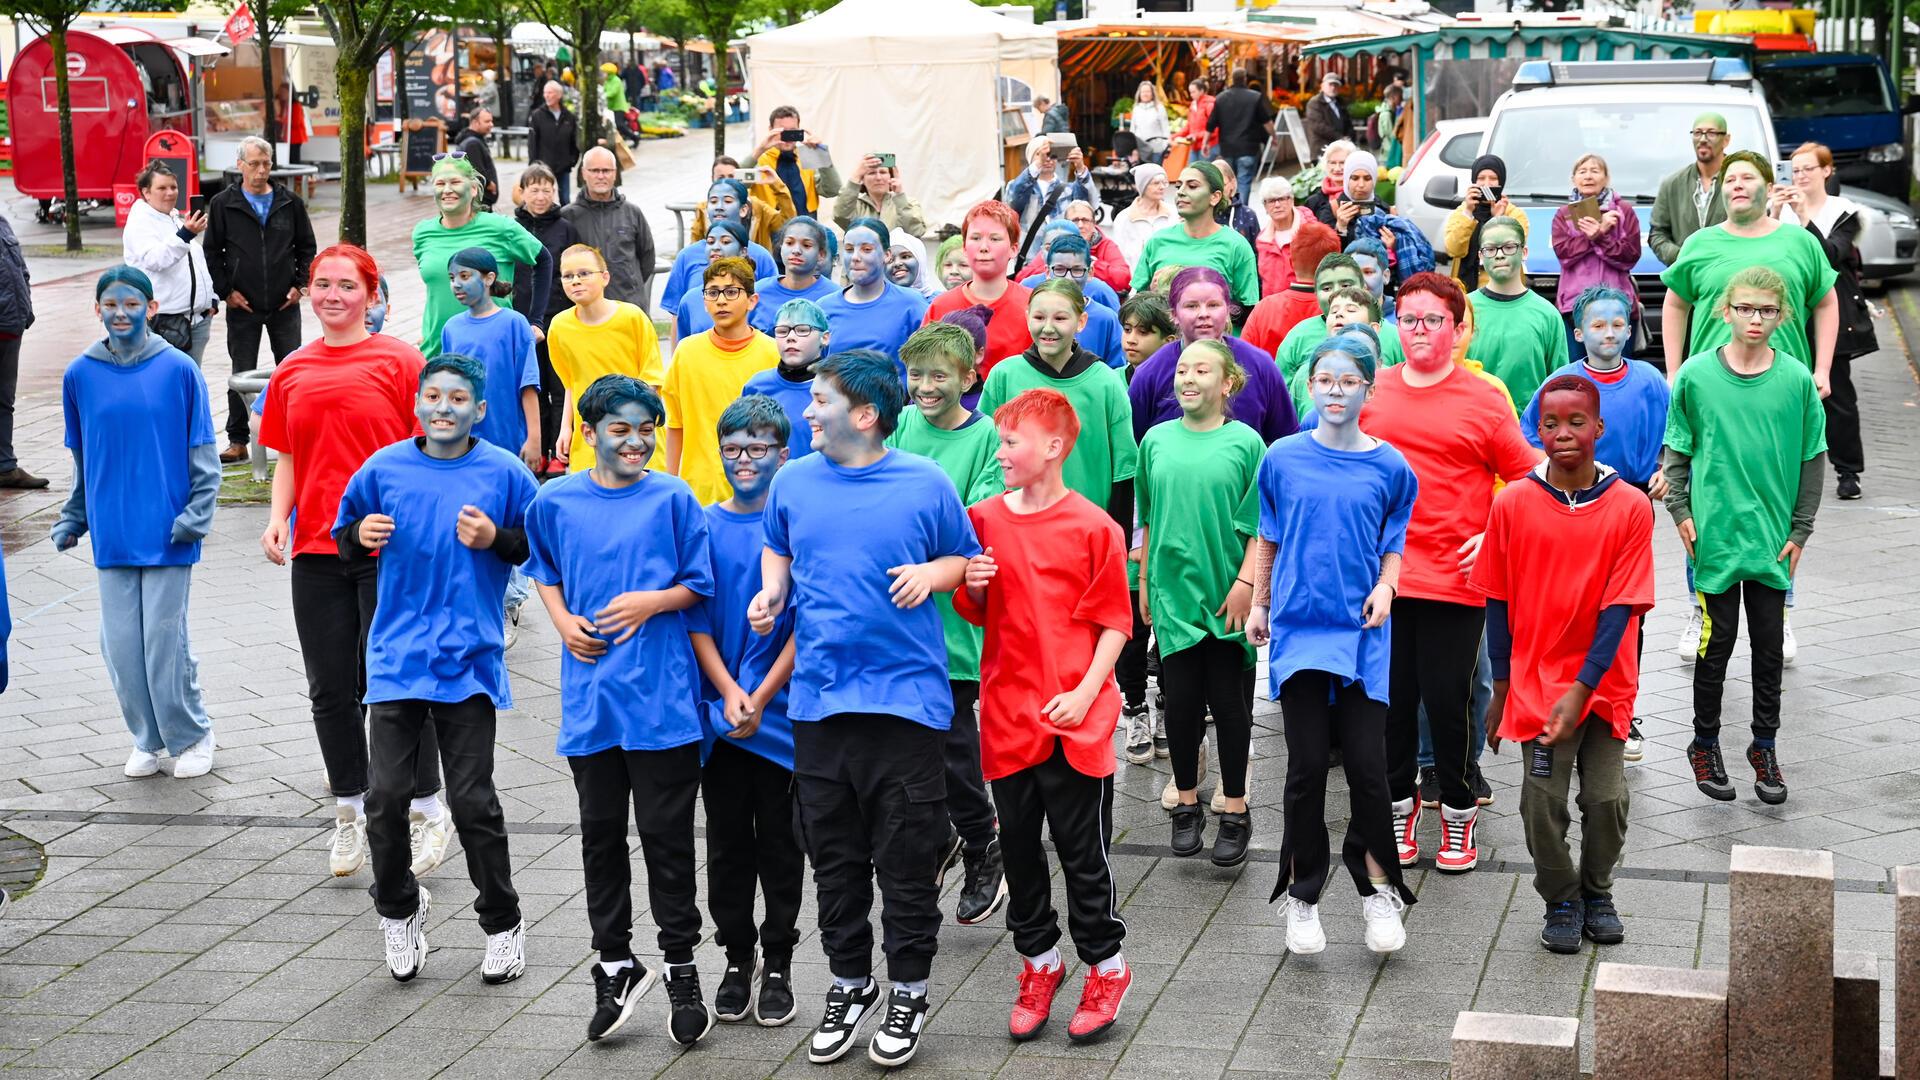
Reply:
x=1895, y=57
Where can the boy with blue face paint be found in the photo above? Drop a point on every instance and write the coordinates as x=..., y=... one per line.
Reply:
x=858, y=537
x=1044, y=267
x=725, y=240
x=1376, y=271
x=800, y=333
x=807, y=252
x=726, y=201
x=748, y=740
x=446, y=512
x=146, y=475
x=1069, y=257
x=871, y=312
x=620, y=553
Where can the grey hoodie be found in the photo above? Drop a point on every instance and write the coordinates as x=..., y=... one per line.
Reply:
x=620, y=231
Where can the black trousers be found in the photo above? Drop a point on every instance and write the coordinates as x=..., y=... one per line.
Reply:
x=872, y=805
x=9, y=382
x=968, y=806
x=1844, y=450
x=1313, y=705
x=333, y=602
x=660, y=785
x=750, y=841
x=1077, y=811
x=243, y=347
x=1210, y=675
x=550, y=395
x=1131, y=669
x=1436, y=650
x=1766, y=629
x=466, y=731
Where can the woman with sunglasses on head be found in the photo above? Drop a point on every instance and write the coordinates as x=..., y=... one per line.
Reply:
x=463, y=223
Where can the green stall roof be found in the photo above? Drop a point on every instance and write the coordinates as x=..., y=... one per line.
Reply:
x=1427, y=43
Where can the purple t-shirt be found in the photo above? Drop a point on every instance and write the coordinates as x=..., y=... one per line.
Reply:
x=1263, y=404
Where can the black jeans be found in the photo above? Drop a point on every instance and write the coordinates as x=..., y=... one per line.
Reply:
x=243, y=347
x=1131, y=669
x=1313, y=704
x=333, y=602
x=968, y=806
x=550, y=395
x=1849, y=458
x=1077, y=811
x=1210, y=675
x=661, y=785
x=1436, y=651
x=466, y=731
x=872, y=804
x=750, y=841
x=1766, y=627
x=9, y=381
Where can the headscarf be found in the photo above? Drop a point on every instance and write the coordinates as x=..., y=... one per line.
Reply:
x=1359, y=161
x=124, y=275
x=1145, y=174
x=1470, y=260
x=1222, y=213
x=923, y=280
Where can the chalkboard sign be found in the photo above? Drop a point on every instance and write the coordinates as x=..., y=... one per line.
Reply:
x=422, y=141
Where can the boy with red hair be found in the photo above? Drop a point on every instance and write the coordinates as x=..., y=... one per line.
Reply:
x=992, y=230
x=1054, y=604
x=1274, y=316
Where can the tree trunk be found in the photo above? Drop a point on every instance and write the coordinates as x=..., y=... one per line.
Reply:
x=353, y=81
x=265, y=38
x=717, y=35
x=586, y=57
x=69, y=178
x=503, y=70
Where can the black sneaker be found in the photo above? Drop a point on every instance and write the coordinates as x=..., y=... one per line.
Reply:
x=1161, y=748
x=1768, y=785
x=1477, y=783
x=1429, y=787
x=1849, y=487
x=688, y=1017
x=841, y=1022
x=985, y=888
x=1230, y=839
x=1189, y=829
x=898, y=1036
x=775, y=1007
x=1709, y=772
x=1562, y=932
x=1602, y=923
x=734, y=998
x=949, y=856
x=614, y=997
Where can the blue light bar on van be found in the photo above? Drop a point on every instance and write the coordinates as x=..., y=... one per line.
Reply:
x=1537, y=73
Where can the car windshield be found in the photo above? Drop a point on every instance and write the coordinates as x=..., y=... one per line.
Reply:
x=1796, y=93
x=1643, y=143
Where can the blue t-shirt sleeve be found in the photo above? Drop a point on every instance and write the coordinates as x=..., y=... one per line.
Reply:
x=1404, y=489
x=70, y=405
x=693, y=543
x=1269, y=480
x=200, y=409
x=1530, y=421
x=521, y=489
x=677, y=281
x=543, y=558
x=530, y=357
x=776, y=521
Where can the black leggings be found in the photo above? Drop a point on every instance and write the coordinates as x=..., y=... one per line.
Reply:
x=550, y=394
x=1313, y=706
x=1209, y=675
x=1436, y=651
x=1842, y=406
x=1766, y=632
x=1131, y=669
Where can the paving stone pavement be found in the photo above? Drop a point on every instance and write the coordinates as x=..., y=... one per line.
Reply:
x=188, y=928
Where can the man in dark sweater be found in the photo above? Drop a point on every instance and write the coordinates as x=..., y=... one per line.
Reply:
x=553, y=139
x=473, y=143
x=1244, y=122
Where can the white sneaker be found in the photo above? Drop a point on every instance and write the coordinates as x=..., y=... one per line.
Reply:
x=427, y=840
x=140, y=763
x=1789, y=648
x=1636, y=747
x=1219, y=803
x=1304, y=934
x=512, y=627
x=1385, y=932
x=406, y=942
x=1170, y=795
x=349, y=842
x=506, y=955
x=1689, y=644
x=195, y=760
x=1139, y=743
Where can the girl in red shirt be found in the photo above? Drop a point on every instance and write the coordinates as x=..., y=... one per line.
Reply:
x=992, y=230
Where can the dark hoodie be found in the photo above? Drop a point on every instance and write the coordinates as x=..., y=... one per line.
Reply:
x=556, y=234
x=1120, y=496
x=620, y=231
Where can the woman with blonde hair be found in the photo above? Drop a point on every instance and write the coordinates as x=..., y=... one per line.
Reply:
x=1150, y=122
x=1594, y=248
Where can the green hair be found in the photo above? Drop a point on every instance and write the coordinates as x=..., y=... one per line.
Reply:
x=460, y=165
x=1066, y=287
x=1759, y=279
x=939, y=340
x=1334, y=260
x=947, y=247
x=1215, y=184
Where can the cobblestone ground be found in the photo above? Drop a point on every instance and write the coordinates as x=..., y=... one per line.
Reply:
x=188, y=928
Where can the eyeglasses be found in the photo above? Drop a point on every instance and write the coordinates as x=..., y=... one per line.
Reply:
x=731, y=292
x=1706, y=134
x=1508, y=248
x=796, y=330
x=580, y=275
x=751, y=451
x=1749, y=312
x=1348, y=384
x=1067, y=272
x=457, y=155
x=1432, y=320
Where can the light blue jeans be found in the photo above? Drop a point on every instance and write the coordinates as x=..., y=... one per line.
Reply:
x=201, y=332
x=519, y=587
x=1477, y=710
x=143, y=638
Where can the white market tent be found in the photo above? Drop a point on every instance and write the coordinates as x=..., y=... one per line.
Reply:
x=917, y=79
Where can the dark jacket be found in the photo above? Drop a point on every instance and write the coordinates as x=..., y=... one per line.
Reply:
x=1242, y=116
x=474, y=145
x=260, y=263
x=553, y=142
x=556, y=234
x=620, y=231
x=1855, y=338
x=1327, y=121
x=1055, y=119
x=16, y=292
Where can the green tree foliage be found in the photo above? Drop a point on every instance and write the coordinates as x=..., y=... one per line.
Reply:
x=58, y=16
x=361, y=30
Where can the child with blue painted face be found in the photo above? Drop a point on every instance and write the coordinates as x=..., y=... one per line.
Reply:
x=871, y=312
x=748, y=740
x=620, y=553
x=446, y=511
x=800, y=333
x=146, y=474
x=725, y=240
x=726, y=201
x=806, y=251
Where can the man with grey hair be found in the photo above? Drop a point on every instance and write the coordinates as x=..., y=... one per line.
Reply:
x=259, y=244
x=606, y=220
x=553, y=139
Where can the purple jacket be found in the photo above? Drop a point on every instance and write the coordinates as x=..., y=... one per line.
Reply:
x=1607, y=259
x=1263, y=404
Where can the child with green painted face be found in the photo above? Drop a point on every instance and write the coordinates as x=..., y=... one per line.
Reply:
x=1518, y=334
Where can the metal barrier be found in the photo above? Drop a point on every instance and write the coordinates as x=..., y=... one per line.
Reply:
x=250, y=385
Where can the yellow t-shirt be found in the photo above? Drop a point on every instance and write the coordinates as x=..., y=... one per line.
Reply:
x=625, y=344
x=702, y=381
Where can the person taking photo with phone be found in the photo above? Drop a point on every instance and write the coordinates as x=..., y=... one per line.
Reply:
x=876, y=192
x=159, y=240
x=1596, y=237
x=1486, y=198
x=779, y=150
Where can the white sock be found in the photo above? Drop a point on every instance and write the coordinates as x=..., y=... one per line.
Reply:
x=615, y=967
x=1045, y=961
x=860, y=983
x=912, y=989
x=428, y=806
x=358, y=802
x=1112, y=965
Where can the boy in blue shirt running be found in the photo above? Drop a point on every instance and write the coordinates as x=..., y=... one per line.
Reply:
x=858, y=537
x=619, y=554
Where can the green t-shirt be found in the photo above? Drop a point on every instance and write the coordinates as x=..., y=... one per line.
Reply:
x=1105, y=452
x=1226, y=251
x=966, y=455
x=1712, y=255
x=1200, y=501
x=1297, y=348
x=1522, y=339
x=1748, y=437
x=434, y=244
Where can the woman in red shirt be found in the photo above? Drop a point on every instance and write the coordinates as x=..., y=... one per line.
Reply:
x=329, y=406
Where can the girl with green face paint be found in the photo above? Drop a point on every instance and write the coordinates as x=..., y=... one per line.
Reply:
x=461, y=224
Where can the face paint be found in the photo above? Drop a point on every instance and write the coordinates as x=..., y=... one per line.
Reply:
x=1068, y=264
x=936, y=383
x=1140, y=342
x=1052, y=322
x=376, y=312
x=123, y=310
x=1501, y=266
x=1568, y=430
x=721, y=244
x=989, y=249
x=956, y=271
x=453, y=190
x=751, y=478
x=1333, y=278
x=1372, y=274
x=447, y=410
x=1343, y=312
x=1605, y=328
x=866, y=257
x=1428, y=349
x=1336, y=397
x=1757, y=328
x=1023, y=453
x=470, y=286
x=903, y=268
x=338, y=296
x=1200, y=384
x=723, y=204
x=800, y=345
x=1745, y=191
x=801, y=252
x=1202, y=314
x=1192, y=198
x=622, y=445
x=831, y=419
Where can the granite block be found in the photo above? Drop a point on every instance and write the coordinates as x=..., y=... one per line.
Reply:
x=1780, y=964
x=1506, y=1046
x=1659, y=1023
x=1906, y=971
x=1856, y=1015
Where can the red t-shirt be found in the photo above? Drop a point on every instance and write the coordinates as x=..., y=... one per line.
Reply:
x=1558, y=568
x=1460, y=436
x=1006, y=332
x=1271, y=319
x=1062, y=581
x=331, y=407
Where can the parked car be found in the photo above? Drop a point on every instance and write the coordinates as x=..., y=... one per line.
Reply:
x=1450, y=150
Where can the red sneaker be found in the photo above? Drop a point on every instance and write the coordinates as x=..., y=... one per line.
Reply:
x=1031, y=1008
x=1099, y=1004
x=1458, y=852
x=1406, y=829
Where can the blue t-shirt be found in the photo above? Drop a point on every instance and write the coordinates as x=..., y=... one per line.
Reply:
x=503, y=343
x=773, y=294
x=843, y=528
x=596, y=543
x=883, y=323
x=692, y=262
x=737, y=540
x=1333, y=515
x=793, y=397
x=261, y=204
x=437, y=633
x=692, y=318
x=1101, y=337
x=135, y=426
x=1095, y=290
x=1634, y=409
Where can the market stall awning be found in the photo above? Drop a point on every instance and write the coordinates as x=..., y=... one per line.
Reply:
x=1538, y=42
x=1188, y=29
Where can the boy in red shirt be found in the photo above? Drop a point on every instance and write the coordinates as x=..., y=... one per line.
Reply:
x=992, y=230
x=1566, y=666
x=1055, y=608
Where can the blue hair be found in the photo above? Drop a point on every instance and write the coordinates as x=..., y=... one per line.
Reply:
x=609, y=392
x=868, y=377
x=827, y=240
x=801, y=308
x=1358, y=341
x=1072, y=242
x=124, y=275
x=462, y=365
x=731, y=228
x=739, y=189
x=756, y=412
x=476, y=258
x=1595, y=293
